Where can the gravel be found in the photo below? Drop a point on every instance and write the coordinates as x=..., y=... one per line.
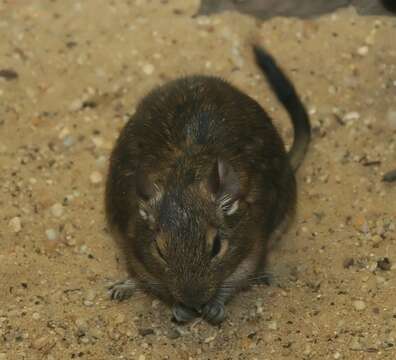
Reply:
x=15, y=224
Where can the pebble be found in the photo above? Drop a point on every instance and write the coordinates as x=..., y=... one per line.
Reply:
x=57, y=210
x=337, y=355
x=90, y=295
x=353, y=115
x=96, y=177
x=359, y=305
x=209, y=339
x=75, y=105
x=355, y=344
x=142, y=357
x=145, y=332
x=15, y=224
x=148, y=69
x=40, y=342
x=361, y=224
x=384, y=264
x=272, y=325
x=69, y=141
x=119, y=318
x=363, y=50
x=52, y=234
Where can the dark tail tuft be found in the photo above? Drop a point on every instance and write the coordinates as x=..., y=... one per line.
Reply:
x=287, y=95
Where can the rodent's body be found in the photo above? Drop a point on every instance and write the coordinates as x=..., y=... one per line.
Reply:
x=199, y=179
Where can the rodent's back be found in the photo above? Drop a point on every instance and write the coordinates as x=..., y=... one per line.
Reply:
x=195, y=119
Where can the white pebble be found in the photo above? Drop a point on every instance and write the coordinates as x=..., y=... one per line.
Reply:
x=359, y=305
x=52, y=234
x=57, y=210
x=96, y=177
x=142, y=357
x=148, y=69
x=272, y=325
x=363, y=51
x=15, y=224
x=337, y=355
x=354, y=115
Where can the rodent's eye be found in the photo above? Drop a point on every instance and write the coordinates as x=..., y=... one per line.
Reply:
x=216, y=247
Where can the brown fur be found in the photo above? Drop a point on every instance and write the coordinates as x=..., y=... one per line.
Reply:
x=198, y=158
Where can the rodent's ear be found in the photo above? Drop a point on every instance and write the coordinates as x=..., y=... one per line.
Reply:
x=225, y=185
x=145, y=189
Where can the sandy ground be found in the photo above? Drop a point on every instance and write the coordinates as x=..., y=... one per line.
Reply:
x=71, y=72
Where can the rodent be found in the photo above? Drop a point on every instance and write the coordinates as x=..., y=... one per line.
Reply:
x=198, y=182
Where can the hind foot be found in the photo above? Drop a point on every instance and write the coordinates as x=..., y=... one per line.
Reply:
x=122, y=290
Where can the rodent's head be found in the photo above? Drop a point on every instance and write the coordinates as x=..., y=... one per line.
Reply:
x=189, y=232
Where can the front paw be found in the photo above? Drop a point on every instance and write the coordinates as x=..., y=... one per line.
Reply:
x=214, y=312
x=182, y=314
x=122, y=290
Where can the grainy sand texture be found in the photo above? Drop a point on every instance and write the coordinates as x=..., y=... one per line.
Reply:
x=72, y=72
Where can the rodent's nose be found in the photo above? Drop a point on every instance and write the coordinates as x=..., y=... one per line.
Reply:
x=193, y=299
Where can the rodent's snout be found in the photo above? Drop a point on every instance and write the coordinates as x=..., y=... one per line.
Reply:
x=193, y=298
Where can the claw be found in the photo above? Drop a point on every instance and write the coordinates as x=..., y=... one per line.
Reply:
x=182, y=314
x=122, y=290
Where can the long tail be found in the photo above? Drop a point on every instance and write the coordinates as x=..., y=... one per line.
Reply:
x=287, y=95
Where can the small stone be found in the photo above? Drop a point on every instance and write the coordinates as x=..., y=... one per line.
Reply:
x=57, y=210
x=360, y=223
x=348, y=262
x=359, y=305
x=148, y=69
x=69, y=141
x=96, y=333
x=209, y=339
x=75, y=105
x=84, y=339
x=96, y=177
x=8, y=74
x=363, y=50
x=307, y=350
x=52, y=234
x=384, y=264
x=353, y=115
x=15, y=224
x=40, y=343
x=81, y=324
x=145, y=332
x=119, y=319
x=355, y=344
x=155, y=303
x=337, y=355
x=90, y=295
x=142, y=357
x=376, y=239
x=36, y=316
x=272, y=325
